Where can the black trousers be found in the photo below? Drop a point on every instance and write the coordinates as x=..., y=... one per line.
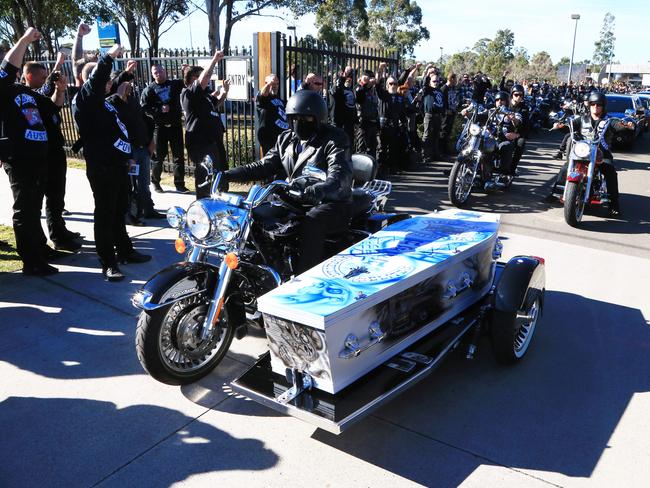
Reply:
x=55, y=196
x=110, y=186
x=391, y=152
x=163, y=137
x=217, y=152
x=520, y=147
x=446, y=126
x=431, y=137
x=267, y=139
x=367, y=138
x=506, y=154
x=27, y=178
x=321, y=221
x=348, y=128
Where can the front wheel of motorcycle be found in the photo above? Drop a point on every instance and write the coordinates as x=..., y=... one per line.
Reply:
x=169, y=344
x=574, y=203
x=460, y=184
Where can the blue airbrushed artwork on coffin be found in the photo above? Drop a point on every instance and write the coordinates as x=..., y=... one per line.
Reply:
x=389, y=256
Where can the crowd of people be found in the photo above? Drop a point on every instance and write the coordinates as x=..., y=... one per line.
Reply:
x=400, y=119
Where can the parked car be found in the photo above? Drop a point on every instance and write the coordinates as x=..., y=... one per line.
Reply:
x=626, y=107
x=644, y=97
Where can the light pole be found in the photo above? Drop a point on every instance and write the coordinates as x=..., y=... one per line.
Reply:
x=575, y=17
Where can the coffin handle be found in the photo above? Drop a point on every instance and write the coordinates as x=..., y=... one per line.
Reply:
x=352, y=347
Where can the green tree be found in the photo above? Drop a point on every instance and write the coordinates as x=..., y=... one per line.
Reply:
x=497, y=53
x=396, y=24
x=541, y=66
x=564, y=60
x=604, y=46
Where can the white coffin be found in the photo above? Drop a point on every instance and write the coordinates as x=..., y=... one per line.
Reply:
x=354, y=311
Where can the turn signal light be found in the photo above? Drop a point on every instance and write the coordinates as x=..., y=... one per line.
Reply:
x=232, y=261
x=179, y=245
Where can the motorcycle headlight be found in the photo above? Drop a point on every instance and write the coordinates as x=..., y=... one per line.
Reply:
x=228, y=229
x=581, y=149
x=198, y=221
x=474, y=129
x=175, y=217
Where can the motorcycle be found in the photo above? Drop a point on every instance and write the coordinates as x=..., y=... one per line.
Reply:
x=236, y=250
x=584, y=185
x=474, y=166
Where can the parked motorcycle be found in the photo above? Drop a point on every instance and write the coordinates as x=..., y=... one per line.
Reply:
x=475, y=166
x=236, y=249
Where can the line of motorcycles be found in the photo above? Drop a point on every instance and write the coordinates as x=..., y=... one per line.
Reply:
x=477, y=168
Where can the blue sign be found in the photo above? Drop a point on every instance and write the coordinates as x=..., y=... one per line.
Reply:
x=108, y=32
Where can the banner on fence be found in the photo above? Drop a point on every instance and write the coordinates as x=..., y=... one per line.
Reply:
x=237, y=73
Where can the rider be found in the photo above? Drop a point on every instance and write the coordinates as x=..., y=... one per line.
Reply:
x=505, y=123
x=309, y=142
x=518, y=105
x=581, y=110
x=590, y=126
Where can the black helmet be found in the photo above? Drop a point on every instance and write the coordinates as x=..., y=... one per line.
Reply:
x=585, y=97
x=598, y=97
x=502, y=96
x=307, y=102
x=517, y=89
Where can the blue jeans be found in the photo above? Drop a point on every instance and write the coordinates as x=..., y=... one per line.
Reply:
x=141, y=192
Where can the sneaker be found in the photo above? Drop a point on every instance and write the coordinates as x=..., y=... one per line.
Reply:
x=43, y=269
x=112, y=273
x=134, y=257
x=153, y=214
x=157, y=188
x=182, y=189
x=559, y=155
x=70, y=246
x=52, y=254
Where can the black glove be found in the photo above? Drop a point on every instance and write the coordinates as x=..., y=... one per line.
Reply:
x=312, y=195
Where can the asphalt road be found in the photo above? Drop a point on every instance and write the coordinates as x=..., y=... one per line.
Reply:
x=76, y=409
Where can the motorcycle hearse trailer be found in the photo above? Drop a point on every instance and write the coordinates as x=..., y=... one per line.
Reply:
x=355, y=331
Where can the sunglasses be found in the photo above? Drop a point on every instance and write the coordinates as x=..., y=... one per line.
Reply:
x=592, y=104
x=517, y=94
x=392, y=83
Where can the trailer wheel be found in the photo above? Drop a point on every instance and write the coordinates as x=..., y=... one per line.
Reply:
x=512, y=332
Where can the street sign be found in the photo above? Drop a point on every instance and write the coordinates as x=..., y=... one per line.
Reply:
x=108, y=33
x=237, y=73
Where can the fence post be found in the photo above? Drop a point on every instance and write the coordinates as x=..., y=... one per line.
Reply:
x=267, y=58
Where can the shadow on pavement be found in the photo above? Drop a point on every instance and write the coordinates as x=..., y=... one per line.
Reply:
x=72, y=442
x=554, y=412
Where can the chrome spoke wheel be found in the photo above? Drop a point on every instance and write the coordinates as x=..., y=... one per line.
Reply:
x=181, y=348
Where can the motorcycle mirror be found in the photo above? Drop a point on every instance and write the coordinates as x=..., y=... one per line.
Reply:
x=207, y=160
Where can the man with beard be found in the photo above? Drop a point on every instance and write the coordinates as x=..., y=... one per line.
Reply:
x=345, y=109
x=271, y=114
x=161, y=101
x=368, y=114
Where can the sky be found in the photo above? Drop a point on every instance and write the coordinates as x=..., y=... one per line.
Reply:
x=541, y=26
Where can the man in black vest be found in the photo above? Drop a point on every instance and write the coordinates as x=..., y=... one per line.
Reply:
x=161, y=101
x=23, y=151
x=271, y=114
x=108, y=155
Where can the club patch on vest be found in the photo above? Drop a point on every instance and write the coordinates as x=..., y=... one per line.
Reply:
x=33, y=116
x=24, y=99
x=3, y=73
x=36, y=135
x=123, y=146
x=122, y=126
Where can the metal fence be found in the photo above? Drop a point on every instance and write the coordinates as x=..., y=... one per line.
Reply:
x=299, y=57
x=238, y=116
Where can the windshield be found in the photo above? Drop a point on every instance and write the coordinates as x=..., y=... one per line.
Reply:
x=619, y=104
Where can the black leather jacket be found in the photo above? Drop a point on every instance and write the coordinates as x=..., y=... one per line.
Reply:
x=329, y=151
